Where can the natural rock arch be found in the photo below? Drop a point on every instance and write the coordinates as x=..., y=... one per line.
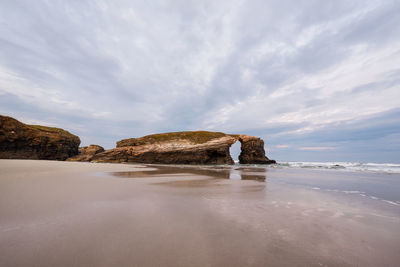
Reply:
x=19, y=140
x=198, y=147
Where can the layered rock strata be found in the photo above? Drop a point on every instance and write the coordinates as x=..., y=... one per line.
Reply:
x=252, y=151
x=87, y=153
x=22, y=141
x=199, y=147
x=172, y=148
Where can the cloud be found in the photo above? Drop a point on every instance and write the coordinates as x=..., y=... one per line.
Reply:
x=316, y=148
x=281, y=146
x=299, y=73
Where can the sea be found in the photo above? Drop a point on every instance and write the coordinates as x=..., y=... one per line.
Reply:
x=343, y=166
x=374, y=181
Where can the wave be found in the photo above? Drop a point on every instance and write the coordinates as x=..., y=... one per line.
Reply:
x=360, y=193
x=346, y=166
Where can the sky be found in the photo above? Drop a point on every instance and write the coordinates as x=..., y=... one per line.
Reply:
x=317, y=80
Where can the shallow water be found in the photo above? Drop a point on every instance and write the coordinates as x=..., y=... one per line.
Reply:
x=382, y=186
x=73, y=214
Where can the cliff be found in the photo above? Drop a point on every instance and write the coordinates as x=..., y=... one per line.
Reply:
x=197, y=147
x=252, y=151
x=22, y=141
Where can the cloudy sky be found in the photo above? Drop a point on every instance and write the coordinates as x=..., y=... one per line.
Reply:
x=317, y=80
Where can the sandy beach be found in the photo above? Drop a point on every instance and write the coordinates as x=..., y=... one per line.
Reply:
x=86, y=214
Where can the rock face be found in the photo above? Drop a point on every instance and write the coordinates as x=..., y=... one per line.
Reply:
x=199, y=147
x=87, y=153
x=253, y=151
x=22, y=141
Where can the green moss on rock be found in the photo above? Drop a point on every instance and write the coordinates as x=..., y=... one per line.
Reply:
x=23, y=141
x=195, y=137
x=51, y=130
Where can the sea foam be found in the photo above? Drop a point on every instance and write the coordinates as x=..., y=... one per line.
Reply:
x=349, y=166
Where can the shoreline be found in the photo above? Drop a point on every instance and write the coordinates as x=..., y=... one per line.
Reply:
x=64, y=213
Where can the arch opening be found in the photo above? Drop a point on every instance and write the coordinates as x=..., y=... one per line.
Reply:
x=234, y=151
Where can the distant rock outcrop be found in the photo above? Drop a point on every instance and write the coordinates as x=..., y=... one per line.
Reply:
x=198, y=147
x=253, y=151
x=22, y=141
x=87, y=153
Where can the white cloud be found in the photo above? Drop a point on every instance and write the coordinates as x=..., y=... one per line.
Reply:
x=316, y=148
x=237, y=66
x=282, y=146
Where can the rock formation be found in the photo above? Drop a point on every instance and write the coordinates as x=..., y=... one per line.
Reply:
x=199, y=147
x=87, y=153
x=253, y=151
x=22, y=141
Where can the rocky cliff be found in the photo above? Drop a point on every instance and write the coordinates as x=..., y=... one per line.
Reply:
x=198, y=147
x=252, y=151
x=22, y=141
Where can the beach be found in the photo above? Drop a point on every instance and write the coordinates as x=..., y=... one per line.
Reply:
x=96, y=214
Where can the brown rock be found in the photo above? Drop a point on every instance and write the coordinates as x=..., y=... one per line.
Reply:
x=253, y=151
x=22, y=141
x=87, y=153
x=198, y=147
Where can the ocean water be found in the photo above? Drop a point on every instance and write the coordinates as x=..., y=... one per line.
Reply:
x=344, y=166
x=365, y=181
x=374, y=181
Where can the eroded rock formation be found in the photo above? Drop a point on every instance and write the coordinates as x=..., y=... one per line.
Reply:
x=22, y=141
x=253, y=151
x=199, y=147
x=87, y=153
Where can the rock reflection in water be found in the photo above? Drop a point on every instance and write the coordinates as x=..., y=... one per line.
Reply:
x=224, y=172
x=235, y=174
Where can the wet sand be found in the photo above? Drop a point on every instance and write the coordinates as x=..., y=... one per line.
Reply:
x=84, y=214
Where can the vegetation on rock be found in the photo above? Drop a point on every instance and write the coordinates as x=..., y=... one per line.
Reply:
x=194, y=137
x=22, y=141
x=51, y=130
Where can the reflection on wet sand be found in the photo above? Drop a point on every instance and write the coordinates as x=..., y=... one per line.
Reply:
x=216, y=172
x=66, y=214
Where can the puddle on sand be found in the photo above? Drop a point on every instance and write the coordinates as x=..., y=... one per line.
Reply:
x=216, y=172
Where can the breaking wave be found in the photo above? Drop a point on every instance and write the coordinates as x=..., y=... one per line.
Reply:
x=349, y=166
